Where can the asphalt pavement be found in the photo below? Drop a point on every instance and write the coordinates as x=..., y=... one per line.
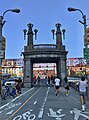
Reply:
x=60, y=107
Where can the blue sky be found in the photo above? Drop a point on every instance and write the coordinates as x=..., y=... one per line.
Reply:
x=44, y=14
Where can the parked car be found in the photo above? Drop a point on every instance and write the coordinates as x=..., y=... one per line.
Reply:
x=8, y=81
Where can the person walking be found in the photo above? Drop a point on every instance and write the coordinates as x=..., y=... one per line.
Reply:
x=38, y=80
x=49, y=80
x=19, y=84
x=17, y=87
x=82, y=91
x=57, y=85
x=66, y=85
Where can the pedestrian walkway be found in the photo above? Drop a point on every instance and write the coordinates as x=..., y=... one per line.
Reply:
x=64, y=107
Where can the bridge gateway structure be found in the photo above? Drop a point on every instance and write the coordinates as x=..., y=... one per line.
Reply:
x=43, y=53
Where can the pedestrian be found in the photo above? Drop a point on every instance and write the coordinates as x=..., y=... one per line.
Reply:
x=66, y=85
x=57, y=85
x=82, y=91
x=19, y=85
x=46, y=80
x=34, y=80
x=49, y=80
x=38, y=80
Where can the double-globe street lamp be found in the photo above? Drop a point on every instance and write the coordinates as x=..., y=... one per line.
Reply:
x=2, y=52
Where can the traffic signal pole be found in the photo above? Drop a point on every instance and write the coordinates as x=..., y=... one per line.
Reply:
x=84, y=23
x=1, y=18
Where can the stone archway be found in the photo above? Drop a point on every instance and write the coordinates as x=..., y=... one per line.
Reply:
x=43, y=53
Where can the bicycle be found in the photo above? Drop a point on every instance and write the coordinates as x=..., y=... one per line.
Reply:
x=9, y=92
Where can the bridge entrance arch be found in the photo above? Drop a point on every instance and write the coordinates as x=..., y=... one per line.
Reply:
x=43, y=53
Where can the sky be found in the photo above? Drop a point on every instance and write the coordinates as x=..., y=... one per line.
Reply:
x=44, y=14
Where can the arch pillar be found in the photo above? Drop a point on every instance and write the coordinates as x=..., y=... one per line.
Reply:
x=28, y=73
x=58, y=64
x=63, y=67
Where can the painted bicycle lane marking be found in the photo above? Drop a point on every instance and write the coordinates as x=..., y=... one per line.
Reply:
x=75, y=112
x=10, y=106
x=25, y=116
x=28, y=113
x=30, y=116
x=2, y=107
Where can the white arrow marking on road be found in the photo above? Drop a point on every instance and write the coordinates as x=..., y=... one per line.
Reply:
x=10, y=112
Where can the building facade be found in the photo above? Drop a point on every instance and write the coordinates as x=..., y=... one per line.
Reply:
x=13, y=67
x=75, y=67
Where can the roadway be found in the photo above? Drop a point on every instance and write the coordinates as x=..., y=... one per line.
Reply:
x=41, y=103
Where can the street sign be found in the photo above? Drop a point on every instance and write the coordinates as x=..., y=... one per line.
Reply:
x=86, y=53
x=87, y=69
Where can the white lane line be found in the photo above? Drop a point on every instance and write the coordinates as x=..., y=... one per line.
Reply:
x=15, y=98
x=34, y=102
x=22, y=94
x=43, y=105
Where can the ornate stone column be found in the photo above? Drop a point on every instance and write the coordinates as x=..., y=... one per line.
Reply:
x=58, y=64
x=63, y=67
x=58, y=36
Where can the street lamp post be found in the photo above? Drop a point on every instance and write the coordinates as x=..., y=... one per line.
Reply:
x=84, y=21
x=2, y=22
x=85, y=42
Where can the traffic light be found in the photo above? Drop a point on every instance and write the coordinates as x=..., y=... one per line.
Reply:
x=87, y=37
x=3, y=43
